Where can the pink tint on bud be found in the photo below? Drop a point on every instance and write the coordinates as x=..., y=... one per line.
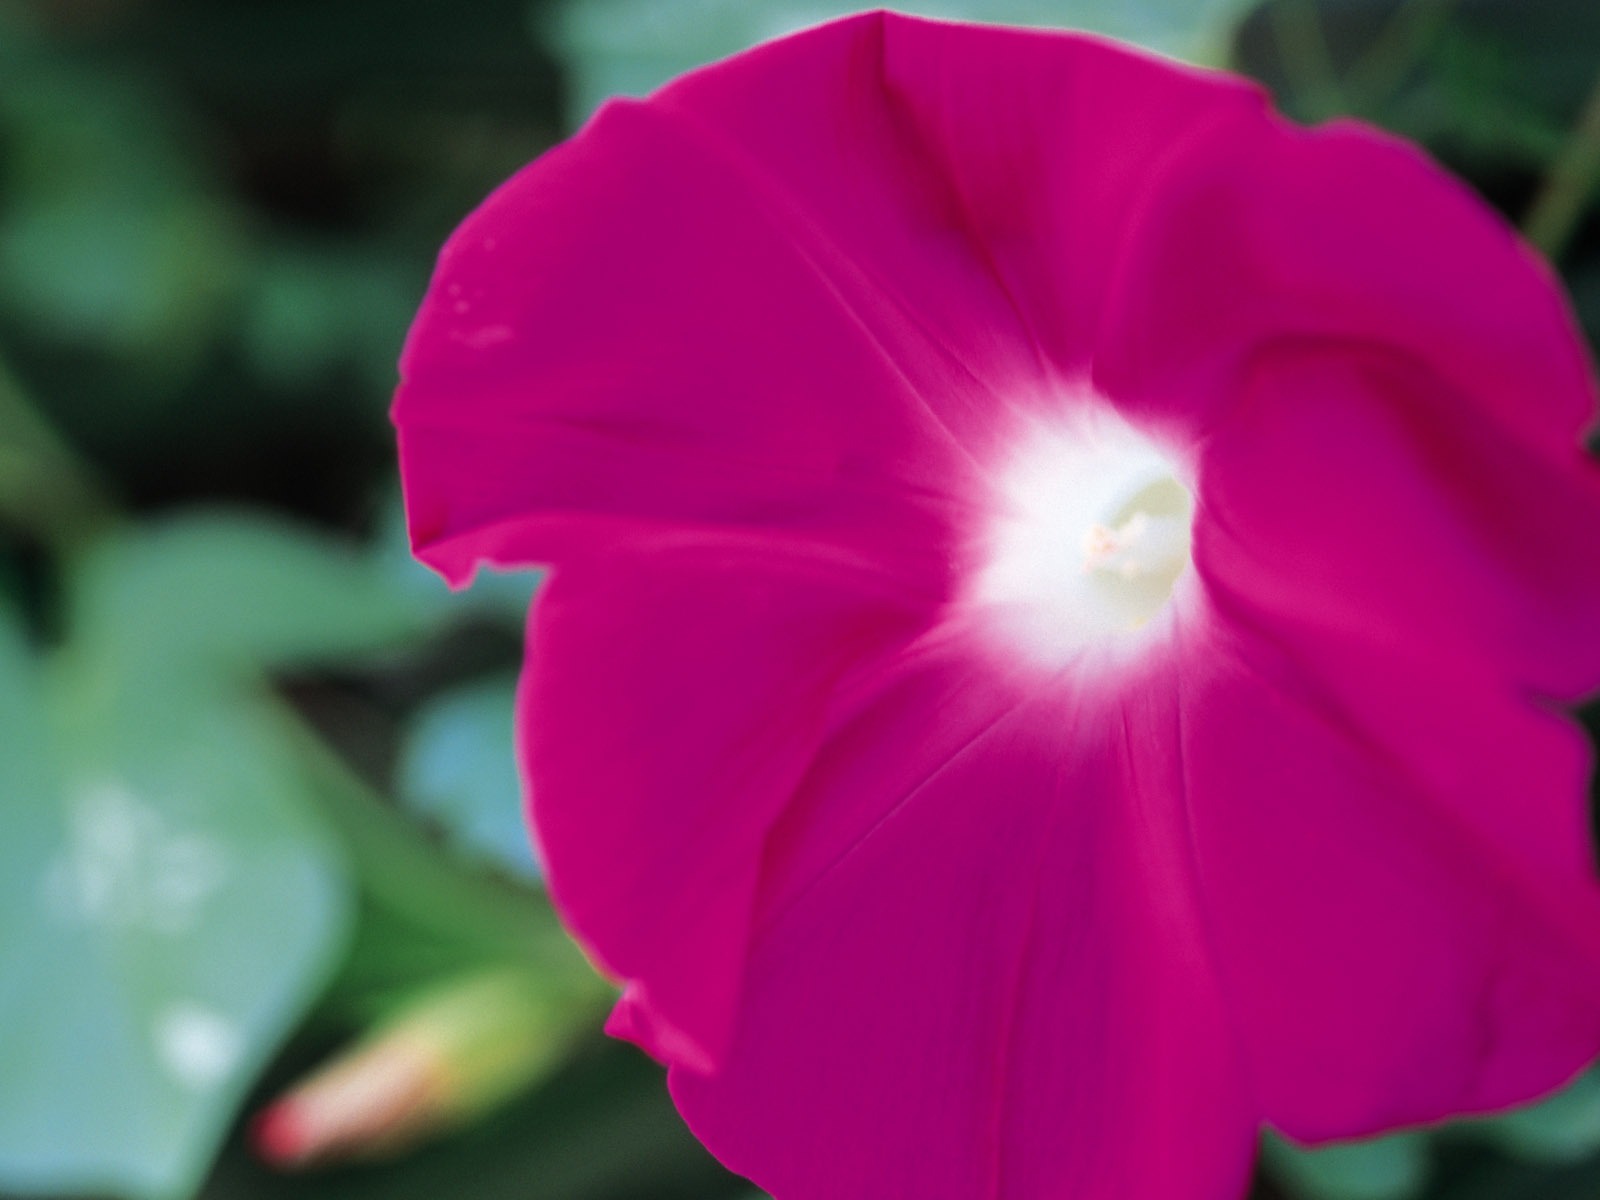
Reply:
x=278, y=1136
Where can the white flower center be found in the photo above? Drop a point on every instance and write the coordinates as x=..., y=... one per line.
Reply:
x=1090, y=537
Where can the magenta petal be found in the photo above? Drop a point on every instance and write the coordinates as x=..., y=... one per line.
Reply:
x=556, y=399
x=670, y=705
x=998, y=987
x=1394, y=857
x=986, y=180
x=914, y=898
x=809, y=316
x=1408, y=512
x=1397, y=531
x=1264, y=233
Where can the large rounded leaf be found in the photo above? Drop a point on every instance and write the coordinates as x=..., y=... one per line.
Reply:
x=168, y=905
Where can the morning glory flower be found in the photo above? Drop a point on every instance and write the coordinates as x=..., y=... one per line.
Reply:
x=1065, y=591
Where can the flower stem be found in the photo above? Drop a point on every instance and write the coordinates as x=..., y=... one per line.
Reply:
x=1569, y=185
x=1307, y=59
x=1389, y=59
x=419, y=905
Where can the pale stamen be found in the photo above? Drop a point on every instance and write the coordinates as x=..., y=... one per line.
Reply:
x=1141, y=546
x=1090, y=537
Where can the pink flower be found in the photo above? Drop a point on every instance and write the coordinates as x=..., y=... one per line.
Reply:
x=1064, y=587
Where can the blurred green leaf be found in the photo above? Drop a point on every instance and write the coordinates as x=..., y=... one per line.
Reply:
x=1491, y=87
x=1388, y=1168
x=167, y=910
x=91, y=267
x=1474, y=97
x=631, y=47
x=311, y=310
x=216, y=589
x=458, y=770
x=173, y=903
x=112, y=238
x=1582, y=276
x=1483, y=1176
x=1563, y=1129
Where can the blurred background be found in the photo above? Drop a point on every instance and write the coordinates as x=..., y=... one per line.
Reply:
x=269, y=923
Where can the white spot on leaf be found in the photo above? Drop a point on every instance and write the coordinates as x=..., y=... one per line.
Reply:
x=126, y=866
x=197, y=1045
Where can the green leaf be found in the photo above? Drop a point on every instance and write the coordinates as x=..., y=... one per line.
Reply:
x=1389, y=1168
x=111, y=237
x=631, y=47
x=1563, y=1129
x=229, y=589
x=167, y=911
x=313, y=309
x=458, y=771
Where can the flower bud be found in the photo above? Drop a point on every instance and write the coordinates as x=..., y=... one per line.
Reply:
x=453, y=1052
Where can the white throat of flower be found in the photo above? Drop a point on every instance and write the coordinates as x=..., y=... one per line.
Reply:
x=1089, y=537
